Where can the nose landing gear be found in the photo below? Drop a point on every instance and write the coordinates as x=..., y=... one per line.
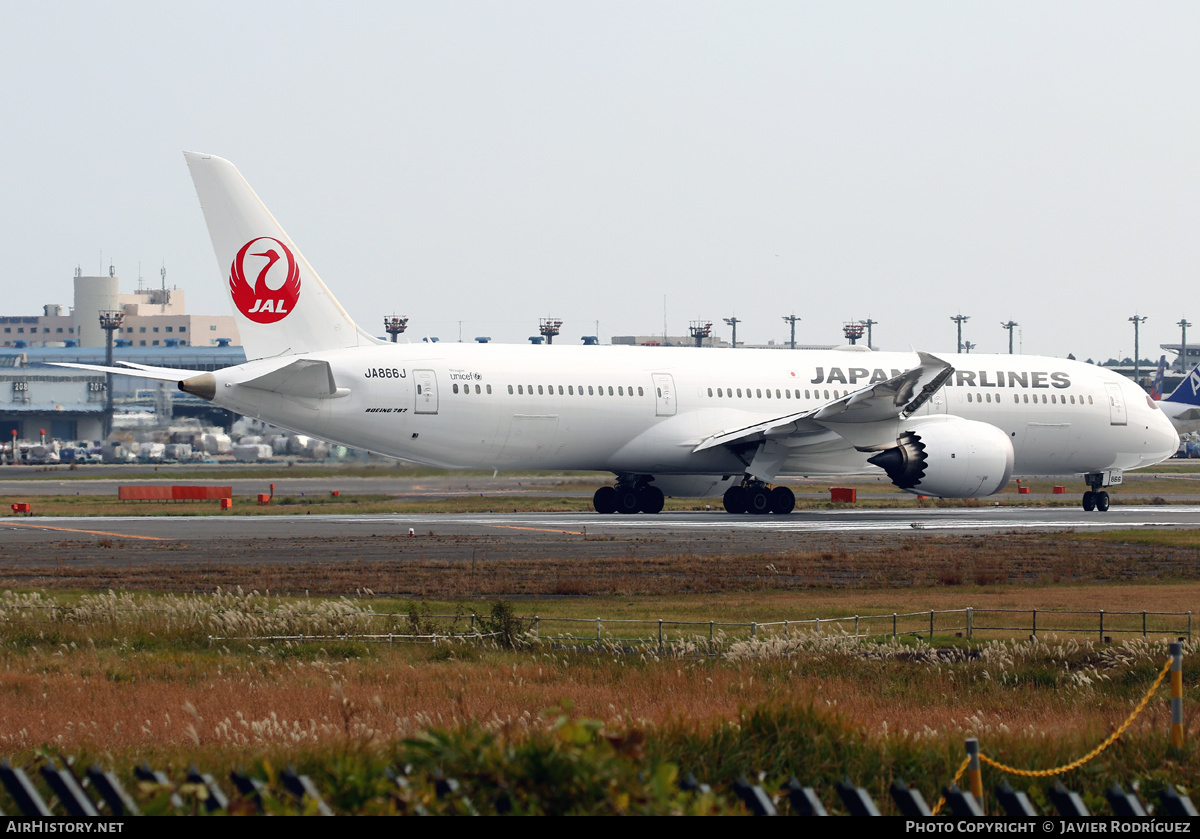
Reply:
x=1096, y=498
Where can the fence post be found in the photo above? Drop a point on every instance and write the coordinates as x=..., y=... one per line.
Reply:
x=931, y=626
x=1143, y=623
x=710, y=635
x=856, y=626
x=537, y=627
x=660, y=643
x=597, y=630
x=893, y=624
x=1176, y=695
x=818, y=625
x=974, y=775
x=753, y=630
x=970, y=623
x=1101, y=626
x=787, y=630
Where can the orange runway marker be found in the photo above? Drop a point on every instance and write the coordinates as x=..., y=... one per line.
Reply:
x=541, y=529
x=91, y=532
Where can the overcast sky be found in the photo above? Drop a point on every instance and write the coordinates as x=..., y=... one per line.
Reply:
x=497, y=162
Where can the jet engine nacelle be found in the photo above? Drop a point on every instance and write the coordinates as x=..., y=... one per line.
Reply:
x=948, y=457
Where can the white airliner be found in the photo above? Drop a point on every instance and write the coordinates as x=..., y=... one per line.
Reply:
x=678, y=422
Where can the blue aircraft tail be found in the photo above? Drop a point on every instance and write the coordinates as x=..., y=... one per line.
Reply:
x=1188, y=391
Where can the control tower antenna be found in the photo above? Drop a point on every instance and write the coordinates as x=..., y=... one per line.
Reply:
x=395, y=326
x=700, y=330
x=549, y=327
x=853, y=330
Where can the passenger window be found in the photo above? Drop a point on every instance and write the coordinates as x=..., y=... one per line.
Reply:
x=589, y=391
x=477, y=388
x=621, y=391
x=969, y=399
x=418, y=390
x=710, y=391
x=659, y=391
x=1089, y=399
x=510, y=390
x=826, y=394
x=489, y=390
x=640, y=391
x=788, y=393
x=719, y=393
x=610, y=390
x=739, y=391
x=455, y=388
x=570, y=390
x=758, y=393
x=520, y=390
x=539, y=390
x=768, y=393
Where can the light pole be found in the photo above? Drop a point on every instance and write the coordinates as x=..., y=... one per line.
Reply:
x=1137, y=365
x=960, y=319
x=1183, y=362
x=868, y=323
x=792, y=320
x=110, y=322
x=1010, y=326
x=734, y=321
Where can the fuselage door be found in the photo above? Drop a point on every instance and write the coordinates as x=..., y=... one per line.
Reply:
x=664, y=394
x=1116, y=406
x=425, y=389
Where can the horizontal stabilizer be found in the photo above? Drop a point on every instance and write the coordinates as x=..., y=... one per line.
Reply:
x=142, y=371
x=304, y=378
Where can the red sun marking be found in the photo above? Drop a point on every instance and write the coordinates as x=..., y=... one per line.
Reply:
x=263, y=304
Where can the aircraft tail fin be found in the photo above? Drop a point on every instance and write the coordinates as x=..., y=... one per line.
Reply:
x=1156, y=389
x=1188, y=391
x=280, y=304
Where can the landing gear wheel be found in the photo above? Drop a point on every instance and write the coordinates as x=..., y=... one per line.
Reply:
x=758, y=501
x=1102, y=501
x=650, y=500
x=735, y=500
x=627, y=501
x=605, y=500
x=1089, y=501
x=783, y=501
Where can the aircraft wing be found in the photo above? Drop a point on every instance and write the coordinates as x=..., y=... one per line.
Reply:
x=852, y=415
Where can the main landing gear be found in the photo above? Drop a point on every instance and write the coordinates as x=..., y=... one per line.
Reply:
x=629, y=497
x=758, y=499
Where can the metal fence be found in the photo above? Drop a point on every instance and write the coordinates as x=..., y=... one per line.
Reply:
x=968, y=623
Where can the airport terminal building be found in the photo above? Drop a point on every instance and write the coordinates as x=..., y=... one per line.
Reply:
x=37, y=397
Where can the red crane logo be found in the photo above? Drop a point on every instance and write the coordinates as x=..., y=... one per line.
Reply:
x=264, y=304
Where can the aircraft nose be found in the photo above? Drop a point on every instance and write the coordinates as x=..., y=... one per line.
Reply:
x=1162, y=440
